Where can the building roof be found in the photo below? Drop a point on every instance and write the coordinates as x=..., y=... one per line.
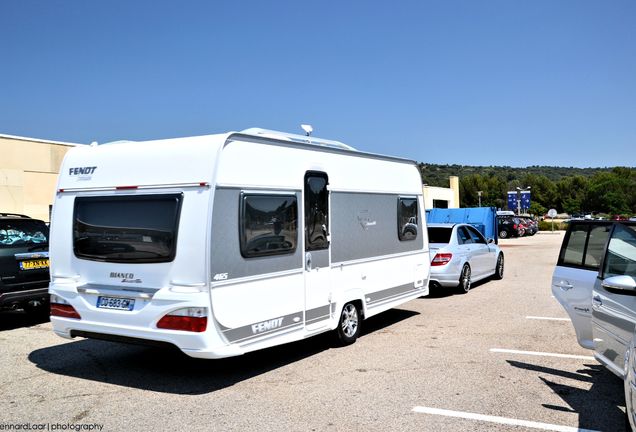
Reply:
x=20, y=138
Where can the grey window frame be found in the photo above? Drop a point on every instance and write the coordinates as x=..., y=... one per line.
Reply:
x=245, y=253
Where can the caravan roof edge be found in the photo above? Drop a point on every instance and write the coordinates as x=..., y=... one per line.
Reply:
x=269, y=140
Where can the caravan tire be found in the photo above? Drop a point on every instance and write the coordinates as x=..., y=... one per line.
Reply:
x=348, y=328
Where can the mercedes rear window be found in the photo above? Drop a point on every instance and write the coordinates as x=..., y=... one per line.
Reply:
x=439, y=235
x=127, y=229
x=28, y=233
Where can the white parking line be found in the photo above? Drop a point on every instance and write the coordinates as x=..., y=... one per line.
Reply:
x=541, y=354
x=547, y=318
x=499, y=420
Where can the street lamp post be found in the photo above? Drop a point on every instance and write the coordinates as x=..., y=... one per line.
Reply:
x=479, y=195
x=519, y=198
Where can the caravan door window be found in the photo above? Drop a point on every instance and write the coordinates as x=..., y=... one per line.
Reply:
x=127, y=229
x=268, y=224
x=316, y=211
x=407, y=218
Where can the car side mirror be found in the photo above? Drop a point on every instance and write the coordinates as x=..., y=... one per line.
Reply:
x=623, y=283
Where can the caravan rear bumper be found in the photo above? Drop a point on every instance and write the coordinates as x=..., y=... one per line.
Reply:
x=139, y=325
x=192, y=344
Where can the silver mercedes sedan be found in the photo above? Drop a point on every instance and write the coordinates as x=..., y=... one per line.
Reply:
x=461, y=255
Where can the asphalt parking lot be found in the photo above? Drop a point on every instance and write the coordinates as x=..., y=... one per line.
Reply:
x=494, y=354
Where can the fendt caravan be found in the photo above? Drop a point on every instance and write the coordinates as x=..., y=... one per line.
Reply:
x=229, y=243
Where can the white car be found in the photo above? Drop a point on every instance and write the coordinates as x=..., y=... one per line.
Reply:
x=595, y=282
x=461, y=255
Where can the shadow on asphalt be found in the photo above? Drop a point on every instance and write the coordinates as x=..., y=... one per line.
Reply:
x=168, y=370
x=599, y=408
x=14, y=319
x=443, y=292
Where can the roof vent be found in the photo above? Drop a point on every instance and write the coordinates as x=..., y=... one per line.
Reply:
x=266, y=133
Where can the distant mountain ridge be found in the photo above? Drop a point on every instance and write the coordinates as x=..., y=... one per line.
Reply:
x=437, y=174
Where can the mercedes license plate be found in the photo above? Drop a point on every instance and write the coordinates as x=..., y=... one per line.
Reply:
x=116, y=303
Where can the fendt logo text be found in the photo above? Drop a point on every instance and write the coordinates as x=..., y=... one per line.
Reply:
x=79, y=171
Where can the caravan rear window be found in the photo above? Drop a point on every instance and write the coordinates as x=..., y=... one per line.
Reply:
x=127, y=229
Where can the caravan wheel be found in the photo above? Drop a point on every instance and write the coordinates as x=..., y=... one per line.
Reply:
x=349, y=325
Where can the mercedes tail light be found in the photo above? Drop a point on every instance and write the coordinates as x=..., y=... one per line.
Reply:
x=441, y=259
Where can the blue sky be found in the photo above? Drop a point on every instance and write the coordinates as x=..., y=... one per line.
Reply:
x=519, y=83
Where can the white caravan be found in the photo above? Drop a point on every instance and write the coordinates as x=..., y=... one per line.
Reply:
x=229, y=243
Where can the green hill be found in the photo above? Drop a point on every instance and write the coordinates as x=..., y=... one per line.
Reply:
x=568, y=189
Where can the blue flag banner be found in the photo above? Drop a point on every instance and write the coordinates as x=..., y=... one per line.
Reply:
x=512, y=200
x=525, y=200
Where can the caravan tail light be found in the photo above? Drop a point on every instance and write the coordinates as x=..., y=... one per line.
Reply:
x=62, y=308
x=186, y=319
x=441, y=259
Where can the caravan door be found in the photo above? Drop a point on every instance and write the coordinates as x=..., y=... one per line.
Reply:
x=317, y=250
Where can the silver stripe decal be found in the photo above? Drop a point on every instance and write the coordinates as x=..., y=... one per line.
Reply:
x=386, y=294
x=258, y=277
x=321, y=313
x=263, y=328
x=275, y=325
x=379, y=258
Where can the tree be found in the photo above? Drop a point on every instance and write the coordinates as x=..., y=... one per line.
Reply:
x=612, y=192
x=571, y=193
x=493, y=191
x=537, y=209
x=566, y=189
x=543, y=190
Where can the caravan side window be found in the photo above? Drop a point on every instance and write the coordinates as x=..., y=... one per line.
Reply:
x=407, y=218
x=268, y=224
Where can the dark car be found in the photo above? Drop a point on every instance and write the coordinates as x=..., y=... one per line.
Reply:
x=24, y=262
x=508, y=227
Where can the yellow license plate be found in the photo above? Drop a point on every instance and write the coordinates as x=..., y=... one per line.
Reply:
x=34, y=264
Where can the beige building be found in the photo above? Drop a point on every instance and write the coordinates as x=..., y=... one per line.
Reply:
x=28, y=174
x=438, y=197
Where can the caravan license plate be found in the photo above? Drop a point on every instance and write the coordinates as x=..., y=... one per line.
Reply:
x=34, y=264
x=116, y=303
